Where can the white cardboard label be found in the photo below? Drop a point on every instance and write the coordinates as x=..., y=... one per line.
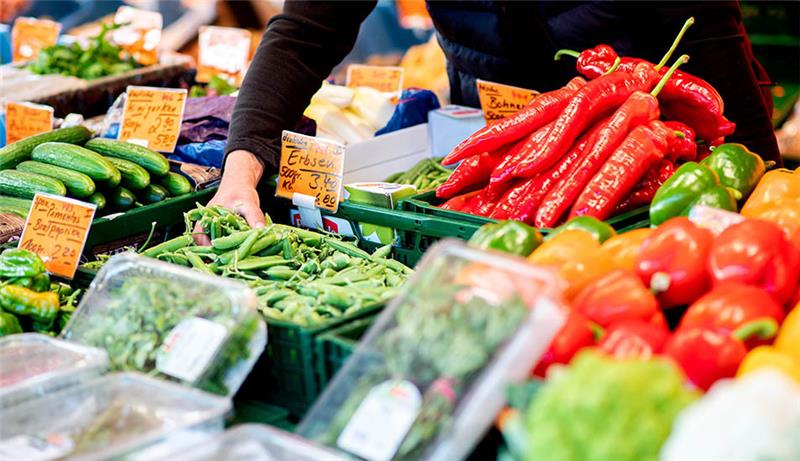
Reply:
x=32, y=448
x=713, y=219
x=189, y=348
x=382, y=420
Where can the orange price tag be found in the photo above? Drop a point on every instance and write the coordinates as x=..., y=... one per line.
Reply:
x=498, y=101
x=30, y=35
x=312, y=167
x=152, y=117
x=25, y=119
x=56, y=230
x=223, y=51
x=388, y=79
x=140, y=34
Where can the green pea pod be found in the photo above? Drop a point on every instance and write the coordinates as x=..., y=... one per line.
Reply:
x=691, y=184
x=17, y=262
x=511, y=237
x=41, y=307
x=737, y=167
x=9, y=324
x=601, y=230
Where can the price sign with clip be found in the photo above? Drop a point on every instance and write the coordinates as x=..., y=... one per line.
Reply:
x=498, y=101
x=152, y=117
x=25, y=119
x=313, y=167
x=387, y=79
x=223, y=51
x=140, y=33
x=30, y=35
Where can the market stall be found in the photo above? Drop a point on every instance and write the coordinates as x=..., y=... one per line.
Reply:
x=588, y=273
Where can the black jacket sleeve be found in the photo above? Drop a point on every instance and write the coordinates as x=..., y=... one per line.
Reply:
x=298, y=50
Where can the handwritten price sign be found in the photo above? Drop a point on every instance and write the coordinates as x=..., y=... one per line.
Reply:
x=140, y=34
x=30, y=35
x=152, y=117
x=383, y=78
x=498, y=101
x=24, y=119
x=313, y=167
x=223, y=51
x=56, y=230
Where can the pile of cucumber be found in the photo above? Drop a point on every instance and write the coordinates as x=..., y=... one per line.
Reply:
x=114, y=175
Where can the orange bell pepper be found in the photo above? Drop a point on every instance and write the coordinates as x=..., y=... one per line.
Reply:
x=776, y=198
x=622, y=249
x=577, y=257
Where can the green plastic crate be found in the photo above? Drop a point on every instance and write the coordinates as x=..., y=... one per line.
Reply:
x=335, y=347
x=249, y=411
x=426, y=204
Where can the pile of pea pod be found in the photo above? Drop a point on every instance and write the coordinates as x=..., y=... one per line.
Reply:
x=427, y=174
x=299, y=276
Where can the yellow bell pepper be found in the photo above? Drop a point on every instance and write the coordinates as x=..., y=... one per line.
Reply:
x=622, y=249
x=776, y=198
x=784, y=355
x=576, y=256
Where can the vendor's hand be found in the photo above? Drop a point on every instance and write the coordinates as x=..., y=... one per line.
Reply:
x=237, y=191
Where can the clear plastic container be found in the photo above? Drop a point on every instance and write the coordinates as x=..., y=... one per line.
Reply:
x=32, y=365
x=256, y=442
x=429, y=377
x=171, y=322
x=110, y=417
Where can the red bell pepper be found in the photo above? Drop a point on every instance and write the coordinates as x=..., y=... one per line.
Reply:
x=576, y=334
x=683, y=147
x=634, y=339
x=616, y=296
x=729, y=306
x=646, y=189
x=707, y=355
x=593, y=101
x=672, y=261
x=540, y=111
x=757, y=252
x=472, y=172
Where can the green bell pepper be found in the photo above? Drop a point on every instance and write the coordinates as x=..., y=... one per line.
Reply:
x=600, y=229
x=9, y=324
x=37, y=283
x=511, y=237
x=16, y=262
x=691, y=184
x=737, y=167
x=40, y=307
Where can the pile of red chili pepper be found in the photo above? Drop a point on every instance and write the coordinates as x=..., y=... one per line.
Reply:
x=596, y=147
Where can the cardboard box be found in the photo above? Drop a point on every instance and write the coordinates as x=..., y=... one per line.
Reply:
x=381, y=156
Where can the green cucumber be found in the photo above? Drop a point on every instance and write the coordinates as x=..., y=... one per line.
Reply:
x=14, y=205
x=148, y=159
x=78, y=184
x=98, y=199
x=152, y=194
x=25, y=185
x=176, y=184
x=121, y=199
x=16, y=152
x=75, y=158
x=134, y=177
x=114, y=180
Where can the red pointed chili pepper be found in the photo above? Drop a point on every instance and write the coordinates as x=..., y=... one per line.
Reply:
x=540, y=111
x=573, y=336
x=504, y=172
x=593, y=101
x=683, y=147
x=646, y=188
x=672, y=261
x=458, y=202
x=729, y=306
x=643, y=147
x=471, y=173
x=514, y=195
x=708, y=355
x=634, y=339
x=756, y=252
x=618, y=295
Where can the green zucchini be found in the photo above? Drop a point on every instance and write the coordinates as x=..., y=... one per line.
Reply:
x=75, y=158
x=78, y=184
x=25, y=185
x=14, y=205
x=176, y=184
x=121, y=199
x=148, y=159
x=134, y=177
x=16, y=152
x=98, y=199
x=152, y=194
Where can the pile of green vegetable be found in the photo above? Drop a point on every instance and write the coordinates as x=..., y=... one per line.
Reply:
x=444, y=333
x=29, y=301
x=114, y=175
x=99, y=59
x=217, y=86
x=427, y=174
x=299, y=276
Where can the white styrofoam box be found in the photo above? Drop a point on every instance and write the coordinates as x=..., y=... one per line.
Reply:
x=381, y=156
x=452, y=124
